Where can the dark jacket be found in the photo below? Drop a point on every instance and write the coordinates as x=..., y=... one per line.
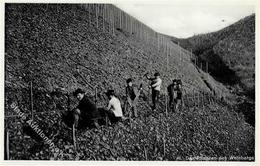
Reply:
x=88, y=110
x=171, y=89
x=131, y=92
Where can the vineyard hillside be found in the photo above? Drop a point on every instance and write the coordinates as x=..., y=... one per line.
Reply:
x=230, y=54
x=232, y=49
x=51, y=50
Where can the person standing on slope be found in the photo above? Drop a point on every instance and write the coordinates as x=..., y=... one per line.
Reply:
x=132, y=95
x=178, y=99
x=175, y=94
x=156, y=83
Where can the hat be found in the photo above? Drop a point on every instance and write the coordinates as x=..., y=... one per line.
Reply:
x=129, y=80
x=76, y=92
x=110, y=92
x=156, y=74
x=179, y=82
x=174, y=81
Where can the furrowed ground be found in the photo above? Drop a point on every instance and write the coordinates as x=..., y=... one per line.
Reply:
x=53, y=50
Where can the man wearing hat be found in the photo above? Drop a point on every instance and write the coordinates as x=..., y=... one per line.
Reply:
x=172, y=93
x=175, y=94
x=132, y=95
x=156, y=83
x=179, y=100
x=85, y=110
x=114, y=109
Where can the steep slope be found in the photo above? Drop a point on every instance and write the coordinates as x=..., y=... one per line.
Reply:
x=231, y=49
x=48, y=48
x=230, y=53
x=58, y=47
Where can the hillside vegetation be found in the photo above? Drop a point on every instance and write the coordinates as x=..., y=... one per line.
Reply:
x=57, y=47
x=230, y=53
x=232, y=49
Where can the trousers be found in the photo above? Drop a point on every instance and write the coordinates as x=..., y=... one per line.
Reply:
x=155, y=97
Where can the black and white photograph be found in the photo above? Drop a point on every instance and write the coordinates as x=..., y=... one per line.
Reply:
x=129, y=81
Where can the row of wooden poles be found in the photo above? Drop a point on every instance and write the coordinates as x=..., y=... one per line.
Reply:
x=196, y=99
x=118, y=19
x=114, y=18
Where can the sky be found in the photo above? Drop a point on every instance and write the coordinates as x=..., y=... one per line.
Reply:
x=185, y=20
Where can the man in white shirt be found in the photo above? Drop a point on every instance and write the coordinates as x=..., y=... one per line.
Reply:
x=156, y=83
x=114, y=107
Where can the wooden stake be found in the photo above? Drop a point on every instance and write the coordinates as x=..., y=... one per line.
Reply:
x=164, y=147
x=145, y=154
x=106, y=121
x=158, y=42
x=93, y=13
x=89, y=11
x=97, y=10
x=134, y=28
x=166, y=105
x=7, y=152
x=183, y=102
x=207, y=98
x=126, y=23
x=104, y=7
x=145, y=116
x=96, y=96
x=120, y=19
x=191, y=54
x=179, y=50
x=157, y=135
x=203, y=101
x=31, y=87
x=202, y=98
x=167, y=58
x=130, y=21
x=108, y=18
x=207, y=67
x=68, y=101
x=113, y=20
x=198, y=99
x=74, y=137
x=210, y=100
x=167, y=126
x=124, y=20
x=194, y=98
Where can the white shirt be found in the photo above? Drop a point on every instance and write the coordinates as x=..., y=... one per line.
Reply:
x=115, y=106
x=157, y=84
